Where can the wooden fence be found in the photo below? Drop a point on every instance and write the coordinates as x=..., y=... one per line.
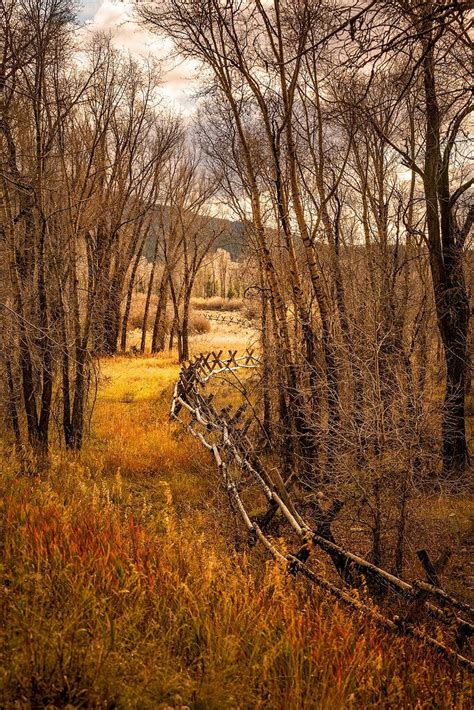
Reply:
x=228, y=320
x=225, y=435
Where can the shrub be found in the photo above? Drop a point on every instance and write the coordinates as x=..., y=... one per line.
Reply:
x=198, y=324
x=216, y=303
x=137, y=309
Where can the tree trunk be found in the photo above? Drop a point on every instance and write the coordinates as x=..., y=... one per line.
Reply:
x=128, y=304
x=77, y=419
x=158, y=338
x=451, y=299
x=265, y=345
x=12, y=404
x=112, y=314
x=147, y=304
x=185, y=329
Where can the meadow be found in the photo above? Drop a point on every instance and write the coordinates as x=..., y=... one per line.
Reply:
x=127, y=583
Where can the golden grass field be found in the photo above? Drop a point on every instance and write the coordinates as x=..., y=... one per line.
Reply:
x=127, y=584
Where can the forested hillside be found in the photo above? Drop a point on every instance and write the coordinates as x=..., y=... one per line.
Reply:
x=230, y=236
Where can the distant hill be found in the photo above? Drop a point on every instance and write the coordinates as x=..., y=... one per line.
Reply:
x=232, y=238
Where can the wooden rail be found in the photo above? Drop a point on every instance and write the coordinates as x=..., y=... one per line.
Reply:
x=229, y=320
x=225, y=436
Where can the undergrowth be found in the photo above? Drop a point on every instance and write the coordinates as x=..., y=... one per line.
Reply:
x=123, y=587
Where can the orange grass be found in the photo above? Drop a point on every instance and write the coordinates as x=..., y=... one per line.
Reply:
x=127, y=584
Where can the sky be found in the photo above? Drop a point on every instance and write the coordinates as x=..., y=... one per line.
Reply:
x=180, y=77
x=117, y=17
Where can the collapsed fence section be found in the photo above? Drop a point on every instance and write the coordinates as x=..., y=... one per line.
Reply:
x=226, y=437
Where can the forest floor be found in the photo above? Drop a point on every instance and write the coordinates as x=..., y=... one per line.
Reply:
x=127, y=583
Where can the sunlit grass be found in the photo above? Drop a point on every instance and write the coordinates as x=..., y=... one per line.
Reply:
x=223, y=336
x=127, y=583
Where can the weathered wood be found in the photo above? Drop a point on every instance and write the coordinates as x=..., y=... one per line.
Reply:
x=238, y=414
x=236, y=447
x=443, y=597
x=433, y=570
x=428, y=567
x=232, y=360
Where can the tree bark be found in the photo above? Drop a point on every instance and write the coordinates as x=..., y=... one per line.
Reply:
x=451, y=299
x=158, y=337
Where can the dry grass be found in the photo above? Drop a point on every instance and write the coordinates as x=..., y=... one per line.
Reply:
x=198, y=324
x=212, y=336
x=217, y=303
x=125, y=584
x=137, y=308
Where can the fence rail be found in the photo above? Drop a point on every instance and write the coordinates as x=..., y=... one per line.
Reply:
x=225, y=435
x=228, y=320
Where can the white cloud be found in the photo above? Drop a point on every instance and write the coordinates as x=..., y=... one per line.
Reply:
x=120, y=20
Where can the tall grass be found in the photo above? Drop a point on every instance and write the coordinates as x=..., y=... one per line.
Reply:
x=127, y=584
x=217, y=303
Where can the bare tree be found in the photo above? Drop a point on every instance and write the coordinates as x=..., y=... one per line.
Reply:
x=185, y=235
x=427, y=47
x=81, y=143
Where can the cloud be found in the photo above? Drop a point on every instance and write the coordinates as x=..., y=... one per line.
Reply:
x=120, y=20
x=88, y=9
